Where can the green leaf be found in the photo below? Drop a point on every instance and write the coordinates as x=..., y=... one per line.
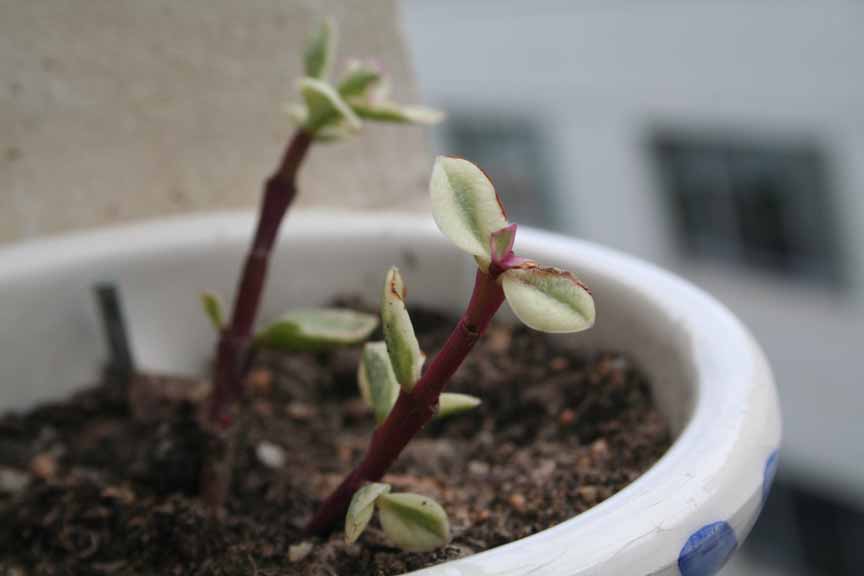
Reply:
x=361, y=509
x=465, y=206
x=450, y=404
x=333, y=133
x=392, y=112
x=377, y=381
x=325, y=107
x=213, y=308
x=402, y=345
x=359, y=79
x=414, y=523
x=319, y=51
x=310, y=329
x=548, y=299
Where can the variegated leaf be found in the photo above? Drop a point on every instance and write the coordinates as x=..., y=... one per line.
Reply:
x=413, y=522
x=359, y=79
x=548, y=299
x=307, y=329
x=451, y=403
x=333, y=133
x=297, y=113
x=361, y=509
x=324, y=106
x=465, y=206
x=376, y=379
x=402, y=345
x=397, y=114
x=501, y=245
x=319, y=51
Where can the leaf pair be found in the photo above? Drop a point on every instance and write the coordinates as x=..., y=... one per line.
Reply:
x=413, y=522
x=469, y=212
x=331, y=113
x=396, y=363
x=303, y=329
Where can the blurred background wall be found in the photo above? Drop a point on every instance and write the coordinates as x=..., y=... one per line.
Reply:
x=721, y=139
x=114, y=110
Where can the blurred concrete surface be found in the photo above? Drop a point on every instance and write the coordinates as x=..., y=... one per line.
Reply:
x=114, y=110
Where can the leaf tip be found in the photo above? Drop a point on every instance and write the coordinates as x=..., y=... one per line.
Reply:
x=213, y=309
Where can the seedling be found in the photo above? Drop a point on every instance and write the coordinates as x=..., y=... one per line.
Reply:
x=328, y=112
x=403, y=396
x=469, y=212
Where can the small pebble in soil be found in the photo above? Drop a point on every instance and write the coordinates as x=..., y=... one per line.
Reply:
x=299, y=552
x=13, y=481
x=270, y=455
x=259, y=382
x=43, y=466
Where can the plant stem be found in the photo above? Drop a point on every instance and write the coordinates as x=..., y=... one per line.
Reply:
x=279, y=192
x=232, y=351
x=414, y=409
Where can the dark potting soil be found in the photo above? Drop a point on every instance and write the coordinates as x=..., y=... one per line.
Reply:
x=87, y=489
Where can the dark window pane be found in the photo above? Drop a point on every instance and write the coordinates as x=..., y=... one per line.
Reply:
x=767, y=206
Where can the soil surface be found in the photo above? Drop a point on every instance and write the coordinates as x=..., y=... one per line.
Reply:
x=87, y=489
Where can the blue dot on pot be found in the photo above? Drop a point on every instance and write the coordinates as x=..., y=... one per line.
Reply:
x=707, y=550
x=768, y=474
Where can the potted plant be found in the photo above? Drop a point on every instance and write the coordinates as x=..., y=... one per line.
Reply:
x=685, y=515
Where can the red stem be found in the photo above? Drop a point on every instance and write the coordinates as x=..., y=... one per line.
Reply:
x=279, y=192
x=414, y=409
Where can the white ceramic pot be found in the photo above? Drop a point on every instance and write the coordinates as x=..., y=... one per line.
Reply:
x=686, y=515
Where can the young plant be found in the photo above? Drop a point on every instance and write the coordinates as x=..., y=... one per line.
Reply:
x=414, y=523
x=467, y=210
x=329, y=112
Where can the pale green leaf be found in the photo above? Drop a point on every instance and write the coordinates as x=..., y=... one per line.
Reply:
x=213, y=308
x=395, y=113
x=361, y=509
x=333, y=133
x=548, y=299
x=377, y=381
x=308, y=329
x=413, y=522
x=502, y=242
x=319, y=51
x=402, y=346
x=465, y=206
x=324, y=106
x=297, y=114
x=358, y=80
x=451, y=403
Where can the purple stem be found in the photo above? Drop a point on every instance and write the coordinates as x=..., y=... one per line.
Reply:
x=414, y=409
x=279, y=192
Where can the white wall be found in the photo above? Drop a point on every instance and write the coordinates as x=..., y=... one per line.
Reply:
x=597, y=75
x=115, y=110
